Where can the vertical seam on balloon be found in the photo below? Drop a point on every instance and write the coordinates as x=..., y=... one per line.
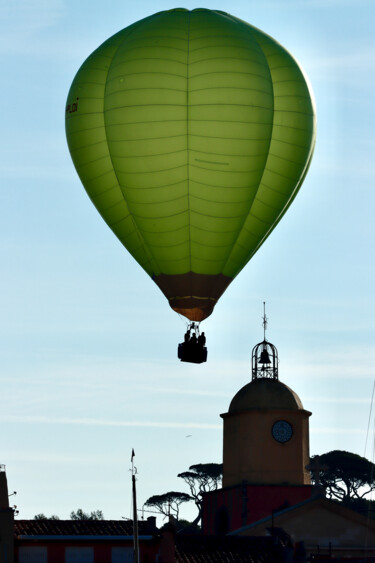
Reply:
x=297, y=186
x=235, y=20
x=148, y=254
x=188, y=147
x=269, y=146
x=312, y=147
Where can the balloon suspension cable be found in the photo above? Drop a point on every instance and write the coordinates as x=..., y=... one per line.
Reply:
x=194, y=326
x=183, y=320
x=265, y=320
x=190, y=325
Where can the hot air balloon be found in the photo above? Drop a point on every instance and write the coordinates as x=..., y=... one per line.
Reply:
x=192, y=132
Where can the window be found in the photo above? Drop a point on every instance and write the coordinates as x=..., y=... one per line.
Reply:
x=122, y=555
x=222, y=521
x=33, y=555
x=79, y=555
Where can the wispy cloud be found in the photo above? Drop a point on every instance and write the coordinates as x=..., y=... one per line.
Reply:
x=30, y=15
x=341, y=362
x=24, y=419
x=336, y=430
x=335, y=3
x=362, y=59
x=320, y=4
x=184, y=391
x=56, y=457
x=213, y=393
x=338, y=400
x=23, y=19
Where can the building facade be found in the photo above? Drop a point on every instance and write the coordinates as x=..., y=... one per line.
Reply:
x=265, y=450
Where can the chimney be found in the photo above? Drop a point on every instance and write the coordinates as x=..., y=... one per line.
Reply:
x=151, y=520
x=167, y=543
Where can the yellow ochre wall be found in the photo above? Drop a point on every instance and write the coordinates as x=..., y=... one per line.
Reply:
x=251, y=453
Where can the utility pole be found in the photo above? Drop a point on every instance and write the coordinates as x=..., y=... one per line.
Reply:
x=135, y=516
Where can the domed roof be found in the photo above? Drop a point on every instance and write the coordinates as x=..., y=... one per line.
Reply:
x=265, y=394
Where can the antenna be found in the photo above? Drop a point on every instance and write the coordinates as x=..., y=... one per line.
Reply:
x=265, y=320
x=135, y=515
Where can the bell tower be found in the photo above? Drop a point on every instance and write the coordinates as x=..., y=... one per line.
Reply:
x=265, y=448
x=264, y=359
x=266, y=430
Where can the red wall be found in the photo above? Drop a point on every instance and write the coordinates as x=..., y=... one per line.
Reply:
x=248, y=503
x=102, y=549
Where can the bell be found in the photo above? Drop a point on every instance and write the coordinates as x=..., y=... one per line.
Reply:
x=264, y=357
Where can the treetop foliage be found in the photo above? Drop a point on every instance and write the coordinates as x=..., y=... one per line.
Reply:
x=81, y=515
x=168, y=503
x=202, y=478
x=344, y=474
x=74, y=515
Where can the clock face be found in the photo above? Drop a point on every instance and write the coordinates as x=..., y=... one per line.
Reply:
x=282, y=431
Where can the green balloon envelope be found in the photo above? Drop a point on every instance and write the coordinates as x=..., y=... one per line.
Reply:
x=192, y=132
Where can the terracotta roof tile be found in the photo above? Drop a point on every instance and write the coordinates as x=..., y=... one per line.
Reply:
x=228, y=549
x=80, y=528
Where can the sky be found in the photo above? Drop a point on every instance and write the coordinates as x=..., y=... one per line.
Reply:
x=88, y=366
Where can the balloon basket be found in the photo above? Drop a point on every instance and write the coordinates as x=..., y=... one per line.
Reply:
x=193, y=348
x=192, y=353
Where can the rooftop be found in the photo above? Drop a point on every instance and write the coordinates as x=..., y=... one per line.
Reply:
x=265, y=394
x=227, y=549
x=80, y=528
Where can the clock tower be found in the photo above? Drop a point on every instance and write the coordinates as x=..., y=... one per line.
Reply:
x=266, y=430
x=265, y=449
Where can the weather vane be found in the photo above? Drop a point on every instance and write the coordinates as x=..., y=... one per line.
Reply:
x=265, y=320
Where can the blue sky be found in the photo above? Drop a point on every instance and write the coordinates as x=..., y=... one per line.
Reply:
x=88, y=342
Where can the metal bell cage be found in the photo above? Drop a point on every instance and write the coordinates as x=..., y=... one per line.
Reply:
x=264, y=361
